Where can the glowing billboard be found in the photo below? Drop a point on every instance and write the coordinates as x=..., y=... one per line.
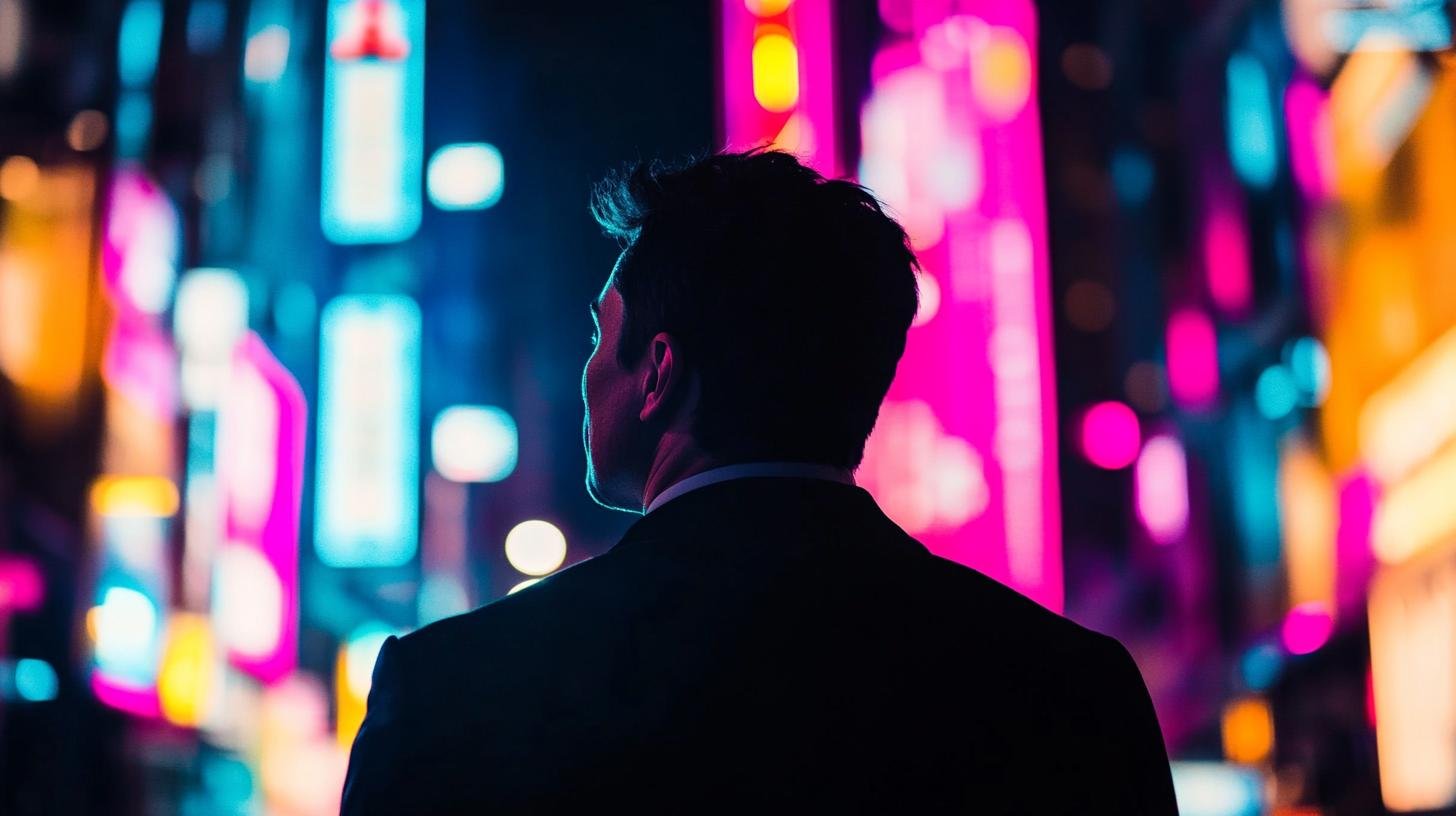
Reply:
x=777, y=79
x=964, y=456
x=260, y=443
x=374, y=116
x=367, y=501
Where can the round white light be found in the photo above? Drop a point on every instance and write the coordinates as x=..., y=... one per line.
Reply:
x=466, y=176
x=535, y=547
x=474, y=443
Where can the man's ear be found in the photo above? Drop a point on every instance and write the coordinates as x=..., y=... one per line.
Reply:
x=665, y=380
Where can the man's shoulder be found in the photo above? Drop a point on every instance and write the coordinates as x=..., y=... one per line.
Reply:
x=966, y=597
x=518, y=619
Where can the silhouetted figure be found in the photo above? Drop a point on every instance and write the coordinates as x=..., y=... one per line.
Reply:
x=764, y=639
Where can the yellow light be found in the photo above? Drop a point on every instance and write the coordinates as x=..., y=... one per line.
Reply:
x=185, y=682
x=19, y=176
x=1308, y=517
x=767, y=8
x=1001, y=76
x=1417, y=514
x=1248, y=731
x=1410, y=419
x=349, y=703
x=1413, y=669
x=152, y=496
x=535, y=547
x=775, y=69
x=529, y=582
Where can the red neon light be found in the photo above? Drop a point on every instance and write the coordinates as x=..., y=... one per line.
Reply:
x=374, y=31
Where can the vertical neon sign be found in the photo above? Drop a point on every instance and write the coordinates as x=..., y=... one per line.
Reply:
x=260, y=442
x=367, y=502
x=964, y=456
x=374, y=92
x=777, y=78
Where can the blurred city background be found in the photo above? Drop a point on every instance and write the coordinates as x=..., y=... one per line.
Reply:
x=293, y=306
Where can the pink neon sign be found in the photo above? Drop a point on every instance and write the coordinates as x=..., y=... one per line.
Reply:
x=964, y=456
x=788, y=49
x=260, y=473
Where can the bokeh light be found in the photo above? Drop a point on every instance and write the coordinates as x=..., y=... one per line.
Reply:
x=1193, y=375
x=1276, y=393
x=1162, y=488
x=775, y=71
x=1307, y=627
x=1110, y=435
x=535, y=547
x=466, y=176
x=474, y=443
x=35, y=680
x=1248, y=731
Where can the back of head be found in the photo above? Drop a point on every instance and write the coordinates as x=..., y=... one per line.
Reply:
x=791, y=295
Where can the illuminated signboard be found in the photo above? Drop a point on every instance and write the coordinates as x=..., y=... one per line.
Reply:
x=45, y=273
x=778, y=79
x=260, y=439
x=373, y=154
x=964, y=455
x=368, y=432
x=127, y=622
x=1413, y=674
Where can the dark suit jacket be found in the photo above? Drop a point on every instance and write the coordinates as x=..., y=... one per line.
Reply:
x=760, y=645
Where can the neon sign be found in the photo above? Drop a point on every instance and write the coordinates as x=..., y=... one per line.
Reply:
x=367, y=502
x=374, y=84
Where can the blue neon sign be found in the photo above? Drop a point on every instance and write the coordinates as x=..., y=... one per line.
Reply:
x=374, y=118
x=367, y=502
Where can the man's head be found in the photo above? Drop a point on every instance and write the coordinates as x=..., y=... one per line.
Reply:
x=756, y=308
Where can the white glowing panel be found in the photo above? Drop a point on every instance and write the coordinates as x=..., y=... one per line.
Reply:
x=366, y=506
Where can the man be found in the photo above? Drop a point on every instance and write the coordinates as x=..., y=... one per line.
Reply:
x=764, y=639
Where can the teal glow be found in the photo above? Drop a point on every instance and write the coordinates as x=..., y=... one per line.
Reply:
x=206, y=25
x=1260, y=666
x=1132, y=176
x=133, y=123
x=1275, y=393
x=1249, y=118
x=1417, y=25
x=137, y=43
x=1253, y=465
x=35, y=681
x=1309, y=363
x=373, y=118
x=367, y=502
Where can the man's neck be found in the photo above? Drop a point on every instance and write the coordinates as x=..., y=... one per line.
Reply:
x=678, y=457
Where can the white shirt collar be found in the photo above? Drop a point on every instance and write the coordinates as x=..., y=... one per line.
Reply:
x=796, y=470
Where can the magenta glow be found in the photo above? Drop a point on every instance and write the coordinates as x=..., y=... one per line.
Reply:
x=260, y=474
x=1110, y=435
x=1192, y=358
x=1307, y=627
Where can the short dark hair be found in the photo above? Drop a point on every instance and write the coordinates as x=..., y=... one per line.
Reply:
x=791, y=294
